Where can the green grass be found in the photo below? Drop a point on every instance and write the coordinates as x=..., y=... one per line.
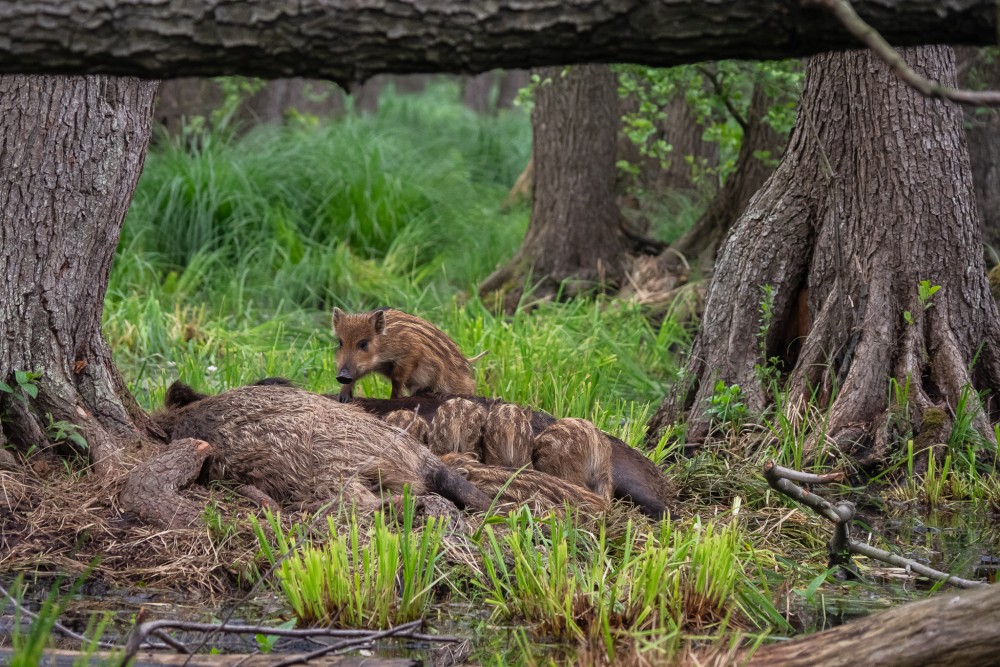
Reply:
x=367, y=578
x=233, y=255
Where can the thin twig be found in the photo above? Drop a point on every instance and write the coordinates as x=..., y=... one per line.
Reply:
x=844, y=12
x=56, y=624
x=349, y=643
x=772, y=468
x=713, y=78
x=780, y=480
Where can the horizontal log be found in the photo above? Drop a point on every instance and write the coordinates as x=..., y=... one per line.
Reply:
x=947, y=629
x=350, y=40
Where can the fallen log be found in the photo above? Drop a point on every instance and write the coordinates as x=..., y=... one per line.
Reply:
x=948, y=629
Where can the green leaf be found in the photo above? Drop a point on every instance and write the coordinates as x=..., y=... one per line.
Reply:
x=78, y=440
x=6, y=388
x=30, y=390
x=21, y=377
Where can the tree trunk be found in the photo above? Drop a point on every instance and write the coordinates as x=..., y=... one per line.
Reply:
x=701, y=243
x=982, y=127
x=574, y=231
x=71, y=151
x=476, y=91
x=653, y=280
x=948, y=629
x=845, y=256
x=511, y=83
x=351, y=40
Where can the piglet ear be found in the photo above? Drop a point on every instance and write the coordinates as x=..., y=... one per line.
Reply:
x=378, y=321
x=338, y=315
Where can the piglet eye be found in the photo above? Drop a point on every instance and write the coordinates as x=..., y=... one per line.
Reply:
x=363, y=345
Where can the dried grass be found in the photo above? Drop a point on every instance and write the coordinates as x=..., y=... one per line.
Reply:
x=64, y=524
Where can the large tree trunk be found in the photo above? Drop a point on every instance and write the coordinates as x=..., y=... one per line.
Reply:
x=574, y=231
x=845, y=256
x=71, y=151
x=351, y=40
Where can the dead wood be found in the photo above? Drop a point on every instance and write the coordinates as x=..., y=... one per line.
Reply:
x=954, y=628
x=841, y=546
x=151, y=488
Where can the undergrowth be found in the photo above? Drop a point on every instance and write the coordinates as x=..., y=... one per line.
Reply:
x=233, y=255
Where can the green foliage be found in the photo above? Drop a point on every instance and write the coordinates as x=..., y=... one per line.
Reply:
x=767, y=370
x=712, y=92
x=571, y=583
x=925, y=292
x=25, y=386
x=726, y=407
x=374, y=578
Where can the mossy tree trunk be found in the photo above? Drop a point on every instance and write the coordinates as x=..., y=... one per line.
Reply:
x=844, y=257
x=574, y=234
x=71, y=151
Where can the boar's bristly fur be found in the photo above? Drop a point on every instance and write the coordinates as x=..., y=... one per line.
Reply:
x=409, y=421
x=300, y=447
x=537, y=490
x=635, y=478
x=576, y=451
x=457, y=427
x=414, y=354
x=507, y=437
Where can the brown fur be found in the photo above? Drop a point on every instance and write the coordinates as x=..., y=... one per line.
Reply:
x=636, y=479
x=507, y=436
x=457, y=427
x=409, y=421
x=537, y=490
x=574, y=450
x=300, y=447
x=414, y=354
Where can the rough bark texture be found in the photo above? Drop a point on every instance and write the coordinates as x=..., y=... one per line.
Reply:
x=350, y=40
x=151, y=487
x=845, y=259
x=949, y=629
x=982, y=127
x=574, y=230
x=71, y=150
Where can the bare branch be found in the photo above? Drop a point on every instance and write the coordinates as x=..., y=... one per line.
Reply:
x=857, y=26
x=713, y=78
x=780, y=480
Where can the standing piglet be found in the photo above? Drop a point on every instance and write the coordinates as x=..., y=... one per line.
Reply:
x=415, y=355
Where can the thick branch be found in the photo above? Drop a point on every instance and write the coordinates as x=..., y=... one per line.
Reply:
x=350, y=40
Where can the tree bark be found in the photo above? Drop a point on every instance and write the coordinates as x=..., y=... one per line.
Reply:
x=511, y=83
x=844, y=258
x=949, y=629
x=476, y=91
x=351, y=40
x=71, y=151
x=151, y=487
x=701, y=243
x=574, y=231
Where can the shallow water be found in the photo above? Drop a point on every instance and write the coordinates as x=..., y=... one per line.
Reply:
x=962, y=540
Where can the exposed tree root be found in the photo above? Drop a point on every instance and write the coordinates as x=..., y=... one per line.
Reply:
x=151, y=488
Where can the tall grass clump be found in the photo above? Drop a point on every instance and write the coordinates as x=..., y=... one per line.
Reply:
x=642, y=587
x=371, y=578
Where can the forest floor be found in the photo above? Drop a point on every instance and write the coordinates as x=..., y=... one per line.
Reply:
x=234, y=253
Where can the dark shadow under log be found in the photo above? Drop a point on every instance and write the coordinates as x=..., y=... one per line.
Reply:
x=151, y=488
